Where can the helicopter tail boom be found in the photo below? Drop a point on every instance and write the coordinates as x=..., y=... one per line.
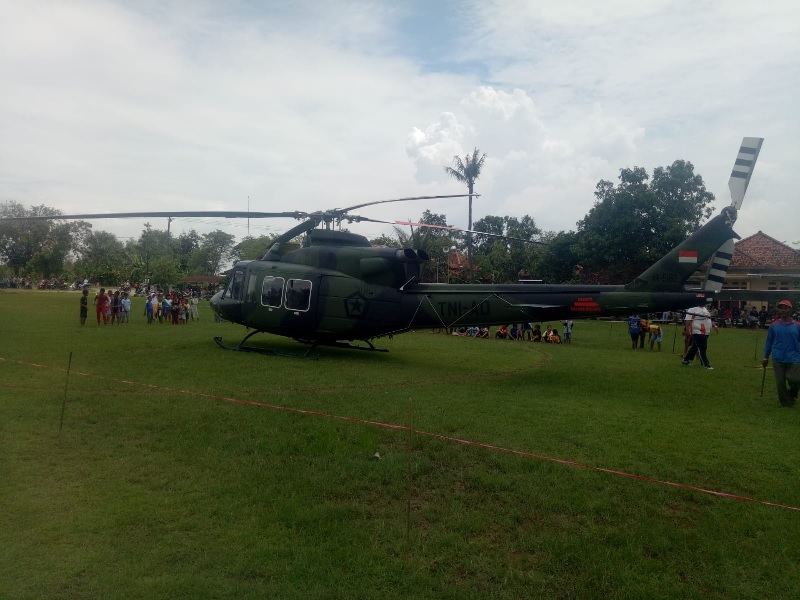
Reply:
x=673, y=271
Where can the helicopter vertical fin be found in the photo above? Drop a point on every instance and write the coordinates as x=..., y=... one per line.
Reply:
x=673, y=271
x=719, y=267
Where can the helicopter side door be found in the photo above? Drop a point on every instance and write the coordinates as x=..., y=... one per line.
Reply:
x=288, y=304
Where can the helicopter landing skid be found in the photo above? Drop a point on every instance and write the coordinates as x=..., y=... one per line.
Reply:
x=349, y=346
x=240, y=347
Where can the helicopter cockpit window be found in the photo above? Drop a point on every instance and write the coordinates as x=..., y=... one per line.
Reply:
x=298, y=294
x=251, y=287
x=237, y=285
x=272, y=291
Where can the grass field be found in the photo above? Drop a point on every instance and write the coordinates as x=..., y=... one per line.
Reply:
x=186, y=471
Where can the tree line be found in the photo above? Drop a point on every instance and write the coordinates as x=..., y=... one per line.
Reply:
x=632, y=224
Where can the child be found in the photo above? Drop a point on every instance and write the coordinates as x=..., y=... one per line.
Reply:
x=166, y=306
x=183, y=312
x=125, y=308
x=84, y=306
x=115, y=308
x=568, y=331
x=193, y=306
x=100, y=306
x=148, y=310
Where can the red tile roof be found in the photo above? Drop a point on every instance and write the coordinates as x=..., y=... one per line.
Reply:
x=760, y=251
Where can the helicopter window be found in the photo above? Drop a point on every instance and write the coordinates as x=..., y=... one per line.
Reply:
x=237, y=286
x=251, y=287
x=298, y=294
x=272, y=291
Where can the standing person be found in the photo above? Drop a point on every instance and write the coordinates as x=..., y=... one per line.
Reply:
x=193, y=306
x=84, y=306
x=107, y=308
x=100, y=306
x=166, y=306
x=568, y=331
x=783, y=342
x=698, y=324
x=125, y=308
x=643, y=331
x=148, y=309
x=115, y=307
x=634, y=327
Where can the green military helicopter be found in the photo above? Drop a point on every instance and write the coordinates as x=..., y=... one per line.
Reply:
x=338, y=290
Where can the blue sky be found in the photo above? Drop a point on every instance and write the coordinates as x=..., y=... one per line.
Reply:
x=308, y=105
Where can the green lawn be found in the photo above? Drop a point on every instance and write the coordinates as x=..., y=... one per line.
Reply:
x=177, y=475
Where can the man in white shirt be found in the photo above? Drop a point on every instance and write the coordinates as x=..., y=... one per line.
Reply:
x=698, y=324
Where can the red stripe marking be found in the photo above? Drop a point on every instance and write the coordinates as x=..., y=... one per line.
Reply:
x=395, y=426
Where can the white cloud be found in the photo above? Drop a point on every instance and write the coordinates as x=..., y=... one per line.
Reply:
x=303, y=106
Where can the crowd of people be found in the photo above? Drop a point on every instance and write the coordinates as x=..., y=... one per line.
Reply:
x=782, y=343
x=640, y=327
x=520, y=332
x=114, y=307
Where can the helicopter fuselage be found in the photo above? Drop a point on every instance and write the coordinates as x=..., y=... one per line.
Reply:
x=326, y=305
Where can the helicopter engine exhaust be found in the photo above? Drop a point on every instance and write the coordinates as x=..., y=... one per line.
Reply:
x=406, y=255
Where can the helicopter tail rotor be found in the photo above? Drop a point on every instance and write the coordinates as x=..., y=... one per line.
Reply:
x=743, y=169
x=737, y=184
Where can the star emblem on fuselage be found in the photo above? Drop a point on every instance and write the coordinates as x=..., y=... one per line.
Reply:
x=355, y=306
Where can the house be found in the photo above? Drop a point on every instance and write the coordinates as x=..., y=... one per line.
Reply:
x=762, y=263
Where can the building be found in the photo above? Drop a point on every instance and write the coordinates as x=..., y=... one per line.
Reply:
x=762, y=263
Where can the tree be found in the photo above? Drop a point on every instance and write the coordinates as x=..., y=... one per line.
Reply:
x=165, y=271
x=385, y=240
x=507, y=259
x=636, y=222
x=558, y=262
x=49, y=241
x=152, y=244
x=216, y=249
x=102, y=259
x=467, y=171
x=185, y=245
x=251, y=248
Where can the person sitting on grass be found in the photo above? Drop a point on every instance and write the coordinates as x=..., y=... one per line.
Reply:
x=537, y=333
x=501, y=333
x=554, y=338
x=515, y=333
x=483, y=333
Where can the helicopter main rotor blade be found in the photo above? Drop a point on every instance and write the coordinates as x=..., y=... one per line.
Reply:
x=342, y=211
x=495, y=235
x=225, y=214
x=446, y=228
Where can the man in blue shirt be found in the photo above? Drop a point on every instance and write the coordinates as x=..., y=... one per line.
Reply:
x=634, y=327
x=783, y=342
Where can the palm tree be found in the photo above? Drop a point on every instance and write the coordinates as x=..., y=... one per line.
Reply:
x=468, y=171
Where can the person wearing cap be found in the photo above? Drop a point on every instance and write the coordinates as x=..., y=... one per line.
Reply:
x=783, y=342
x=698, y=324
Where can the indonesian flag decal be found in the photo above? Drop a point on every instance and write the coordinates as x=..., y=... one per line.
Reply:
x=687, y=256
